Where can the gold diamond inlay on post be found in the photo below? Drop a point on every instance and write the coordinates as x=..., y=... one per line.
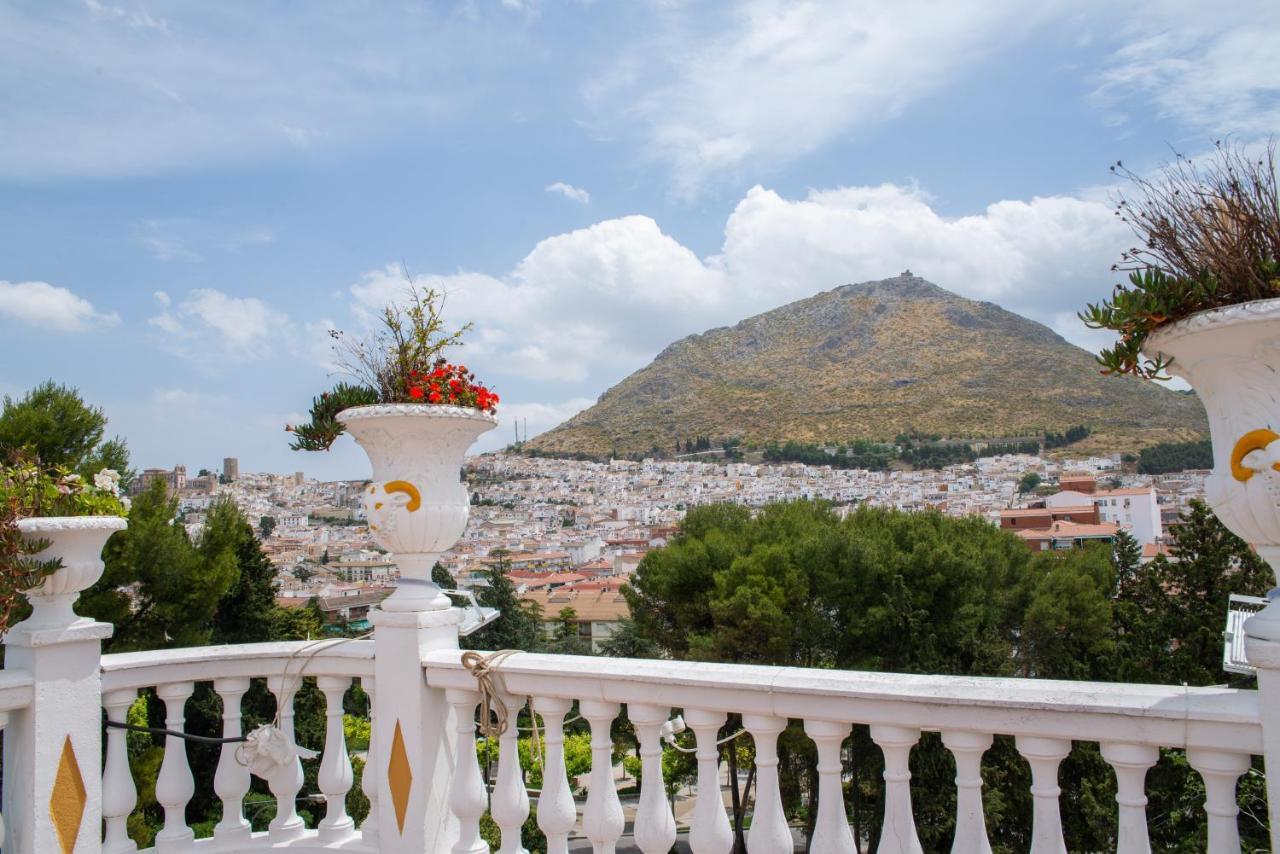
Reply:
x=399, y=777
x=66, y=804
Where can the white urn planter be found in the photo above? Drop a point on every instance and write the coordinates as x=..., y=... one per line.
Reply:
x=417, y=505
x=1231, y=357
x=77, y=541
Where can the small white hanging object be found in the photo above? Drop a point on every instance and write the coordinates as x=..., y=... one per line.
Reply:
x=266, y=750
x=671, y=727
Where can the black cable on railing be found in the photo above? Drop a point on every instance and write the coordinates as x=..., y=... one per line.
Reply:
x=201, y=739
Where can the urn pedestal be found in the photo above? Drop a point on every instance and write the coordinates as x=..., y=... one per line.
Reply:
x=1231, y=357
x=417, y=505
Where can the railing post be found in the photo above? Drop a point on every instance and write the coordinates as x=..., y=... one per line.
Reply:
x=53, y=748
x=416, y=751
x=1264, y=654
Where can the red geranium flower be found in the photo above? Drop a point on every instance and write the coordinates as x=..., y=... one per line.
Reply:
x=416, y=392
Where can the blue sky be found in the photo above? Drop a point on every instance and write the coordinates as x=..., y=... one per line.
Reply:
x=192, y=193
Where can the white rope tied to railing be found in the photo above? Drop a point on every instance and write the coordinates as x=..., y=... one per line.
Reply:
x=493, y=712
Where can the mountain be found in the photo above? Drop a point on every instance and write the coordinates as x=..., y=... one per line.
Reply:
x=871, y=361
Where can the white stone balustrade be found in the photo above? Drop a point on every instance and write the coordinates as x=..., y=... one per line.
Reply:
x=174, y=674
x=1221, y=731
x=1219, y=728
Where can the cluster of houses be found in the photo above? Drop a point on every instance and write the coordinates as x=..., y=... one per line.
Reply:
x=1079, y=512
x=569, y=534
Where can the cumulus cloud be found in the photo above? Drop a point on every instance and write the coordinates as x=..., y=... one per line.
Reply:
x=47, y=306
x=595, y=300
x=1037, y=257
x=209, y=322
x=569, y=191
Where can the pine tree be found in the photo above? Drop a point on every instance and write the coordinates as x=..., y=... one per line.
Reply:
x=176, y=586
x=55, y=423
x=519, y=627
x=248, y=613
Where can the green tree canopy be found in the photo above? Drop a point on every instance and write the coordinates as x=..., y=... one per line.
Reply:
x=160, y=589
x=55, y=422
x=797, y=585
x=519, y=626
x=885, y=590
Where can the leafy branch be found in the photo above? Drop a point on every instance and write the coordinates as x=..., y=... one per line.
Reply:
x=324, y=428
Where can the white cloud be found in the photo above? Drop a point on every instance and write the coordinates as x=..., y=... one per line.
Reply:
x=1211, y=67
x=221, y=83
x=1036, y=257
x=209, y=322
x=191, y=239
x=596, y=300
x=165, y=245
x=51, y=307
x=782, y=78
x=569, y=191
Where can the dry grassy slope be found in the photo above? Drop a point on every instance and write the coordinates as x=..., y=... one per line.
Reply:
x=870, y=361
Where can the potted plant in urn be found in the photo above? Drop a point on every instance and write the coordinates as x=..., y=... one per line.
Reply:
x=53, y=526
x=415, y=414
x=1203, y=304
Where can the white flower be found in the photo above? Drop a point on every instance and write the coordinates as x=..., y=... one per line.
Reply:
x=108, y=480
x=126, y=503
x=72, y=478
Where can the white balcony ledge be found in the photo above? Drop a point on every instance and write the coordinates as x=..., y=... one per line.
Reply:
x=424, y=784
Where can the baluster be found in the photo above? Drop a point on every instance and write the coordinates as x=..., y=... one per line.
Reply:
x=286, y=782
x=368, y=776
x=831, y=828
x=556, y=811
x=602, y=819
x=119, y=796
x=769, y=832
x=1044, y=755
x=231, y=779
x=4, y=722
x=174, y=785
x=334, y=777
x=655, y=826
x=971, y=824
x=899, y=831
x=711, y=832
x=466, y=794
x=1220, y=771
x=510, y=806
x=1131, y=762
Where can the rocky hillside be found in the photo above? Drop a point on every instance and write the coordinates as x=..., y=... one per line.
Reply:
x=871, y=361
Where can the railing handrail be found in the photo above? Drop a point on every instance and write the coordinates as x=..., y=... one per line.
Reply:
x=1163, y=715
x=327, y=657
x=16, y=689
